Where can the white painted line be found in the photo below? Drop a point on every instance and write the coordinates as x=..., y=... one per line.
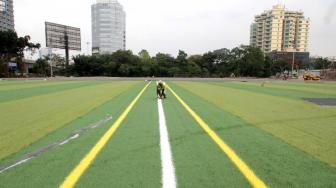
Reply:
x=68, y=140
x=168, y=171
x=38, y=152
x=16, y=164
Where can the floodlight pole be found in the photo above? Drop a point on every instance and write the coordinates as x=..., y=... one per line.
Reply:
x=66, y=40
x=51, y=70
x=293, y=63
x=50, y=62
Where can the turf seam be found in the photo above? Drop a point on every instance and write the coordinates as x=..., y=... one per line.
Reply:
x=38, y=152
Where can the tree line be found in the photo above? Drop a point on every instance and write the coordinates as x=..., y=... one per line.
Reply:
x=242, y=61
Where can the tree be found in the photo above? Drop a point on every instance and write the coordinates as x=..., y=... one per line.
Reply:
x=320, y=63
x=181, y=58
x=194, y=70
x=162, y=62
x=280, y=65
x=110, y=68
x=123, y=57
x=8, y=50
x=242, y=61
x=22, y=45
x=224, y=64
x=253, y=62
x=124, y=70
x=144, y=56
x=174, y=71
x=56, y=60
x=268, y=66
x=12, y=46
x=82, y=65
x=41, y=67
x=209, y=62
x=197, y=59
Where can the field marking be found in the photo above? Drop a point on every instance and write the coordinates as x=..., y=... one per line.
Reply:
x=78, y=171
x=16, y=164
x=38, y=152
x=168, y=171
x=254, y=180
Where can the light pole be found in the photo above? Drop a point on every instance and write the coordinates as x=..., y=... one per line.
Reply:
x=50, y=62
x=293, y=60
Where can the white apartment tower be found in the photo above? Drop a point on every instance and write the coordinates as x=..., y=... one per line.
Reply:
x=6, y=15
x=280, y=30
x=108, y=26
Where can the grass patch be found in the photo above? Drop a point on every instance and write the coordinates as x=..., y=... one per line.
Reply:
x=307, y=126
x=131, y=158
x=275, y=91
x=9, y=95
x=286, y=141
x=26, y=120
x=277, y=163
x=16, y=85
x=199, y=162
x=50, y=169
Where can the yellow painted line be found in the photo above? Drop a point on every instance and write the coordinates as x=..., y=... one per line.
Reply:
x=254, y=180
x=78, y=171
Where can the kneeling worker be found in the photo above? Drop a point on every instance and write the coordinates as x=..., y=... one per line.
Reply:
x=160, y=90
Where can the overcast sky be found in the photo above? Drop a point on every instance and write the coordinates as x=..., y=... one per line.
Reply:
x=196, y=26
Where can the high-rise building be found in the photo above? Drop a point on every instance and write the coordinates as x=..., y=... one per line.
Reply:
x=108, y=26
x=6, y=15
x=280, y=30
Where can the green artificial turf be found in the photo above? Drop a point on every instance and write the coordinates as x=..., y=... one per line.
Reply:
x=309, y=127
x=268, y=88
x=198, y=161
x=307, y=87
x=15, y=85
x=21, y=93
x=24, y=121
x=50, y=168
x=275, y=132
x=277, y=163
x=132, y=156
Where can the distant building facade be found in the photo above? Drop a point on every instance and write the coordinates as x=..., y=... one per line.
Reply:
x=300, y=59
x=6, y=15
x=280, y=30
x=108, y=26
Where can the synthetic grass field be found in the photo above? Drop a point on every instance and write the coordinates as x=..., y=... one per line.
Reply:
x=218, y=134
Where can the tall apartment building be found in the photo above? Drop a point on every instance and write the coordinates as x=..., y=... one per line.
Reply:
x=6, y=15
x=280, y=30
x=108, y=26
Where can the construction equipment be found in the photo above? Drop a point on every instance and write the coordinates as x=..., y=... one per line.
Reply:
x=310, y=76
